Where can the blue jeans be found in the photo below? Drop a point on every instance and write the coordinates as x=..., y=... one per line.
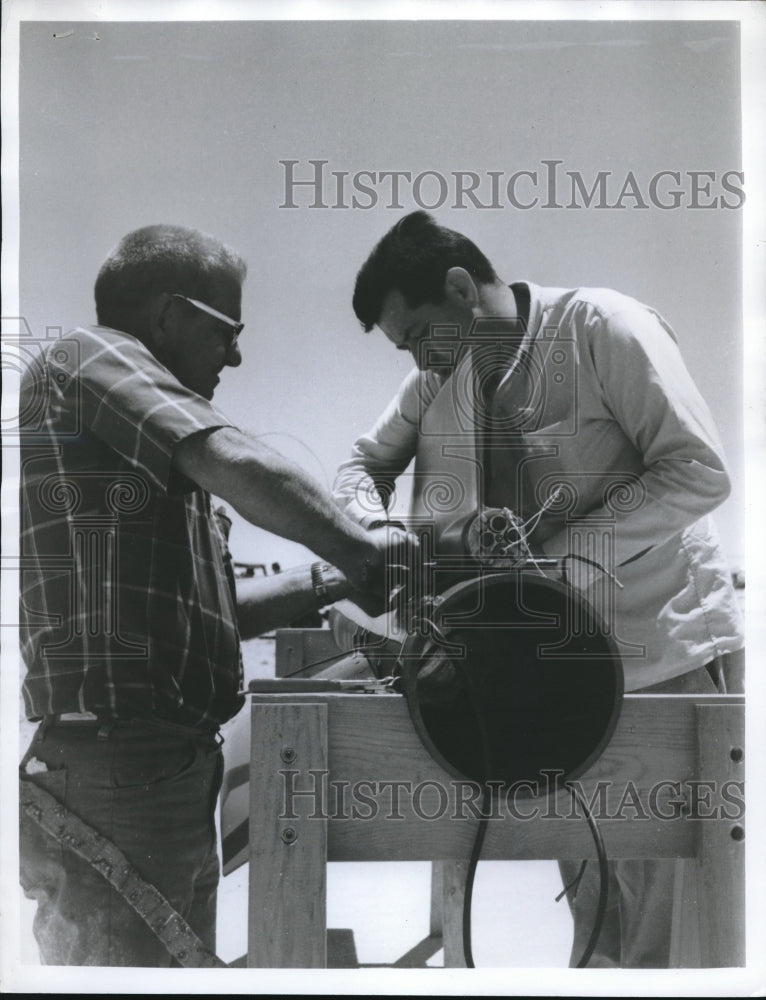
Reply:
x=152, y=791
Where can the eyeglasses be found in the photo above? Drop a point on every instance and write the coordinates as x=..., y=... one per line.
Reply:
x=235, y=326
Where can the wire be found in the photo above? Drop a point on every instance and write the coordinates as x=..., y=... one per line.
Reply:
x=293, y=437
x=523, y=529
x=534, y=519
x=603, y=894
x=470, y=874
x=318, y=663
x=481, y=830
x=603, y=871
x=573, y=884
x=590, y=562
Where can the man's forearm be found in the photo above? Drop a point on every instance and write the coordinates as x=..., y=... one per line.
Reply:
x=265, y=603
x=273, y=493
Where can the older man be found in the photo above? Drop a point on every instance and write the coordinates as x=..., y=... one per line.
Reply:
x=131, y=624
x=599, y=440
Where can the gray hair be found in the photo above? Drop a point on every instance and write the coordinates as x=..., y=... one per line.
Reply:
x=161, y=258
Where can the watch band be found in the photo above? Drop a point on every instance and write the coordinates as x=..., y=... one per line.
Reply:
x=318, y=582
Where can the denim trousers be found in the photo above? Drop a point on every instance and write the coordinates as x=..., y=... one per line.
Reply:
x=636, y=933
x=151, y=790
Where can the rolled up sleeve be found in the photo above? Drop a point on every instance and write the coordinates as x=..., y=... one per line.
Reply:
x=117, y=391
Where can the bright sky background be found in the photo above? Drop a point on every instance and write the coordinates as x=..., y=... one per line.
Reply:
x=124, y=123
x=186, y=122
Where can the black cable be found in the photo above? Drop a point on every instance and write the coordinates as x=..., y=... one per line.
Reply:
x=481, y=830
x=470, y=874
x=573, y=884
x=589, y=562
x=603, y=894
x=603, y=891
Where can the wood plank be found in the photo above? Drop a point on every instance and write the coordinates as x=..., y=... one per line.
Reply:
x=436, y=921
x=303, y=651
x=287, y=924
x=447, y=895
x=371, y=738
x=721, y=861
x=453, y=895
x=409, y=810
x=685, y=921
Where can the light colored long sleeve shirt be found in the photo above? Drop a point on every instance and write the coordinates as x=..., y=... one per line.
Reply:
x=615, y=435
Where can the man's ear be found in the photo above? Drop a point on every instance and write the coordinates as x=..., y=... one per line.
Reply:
x=160, y=317
x=460, y=288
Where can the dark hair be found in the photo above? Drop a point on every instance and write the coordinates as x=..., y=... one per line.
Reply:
x=414, y=257
x=161, y=258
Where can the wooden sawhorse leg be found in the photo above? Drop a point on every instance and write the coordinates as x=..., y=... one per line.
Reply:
x=447, y=894
x=287, y=913
x=709, y=904
x=288, y=846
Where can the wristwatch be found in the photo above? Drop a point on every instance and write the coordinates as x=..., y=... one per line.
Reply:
x=318, y=582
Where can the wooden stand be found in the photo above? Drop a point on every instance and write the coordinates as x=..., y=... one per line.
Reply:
x=679, y=756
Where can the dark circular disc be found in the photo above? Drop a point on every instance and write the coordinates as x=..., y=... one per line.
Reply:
x=519, y=682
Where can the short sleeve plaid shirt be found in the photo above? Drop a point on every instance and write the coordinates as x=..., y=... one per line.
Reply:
x=127, y=591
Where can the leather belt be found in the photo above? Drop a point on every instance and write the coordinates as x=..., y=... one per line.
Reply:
x=106, y=725
x=79, y=717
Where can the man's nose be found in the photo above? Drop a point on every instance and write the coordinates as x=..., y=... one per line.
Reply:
x=233, y=356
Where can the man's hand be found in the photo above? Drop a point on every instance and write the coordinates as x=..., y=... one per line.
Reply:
x=386, y=569
x=271, y=492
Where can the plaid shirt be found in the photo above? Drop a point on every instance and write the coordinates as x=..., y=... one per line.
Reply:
x=128, y=606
